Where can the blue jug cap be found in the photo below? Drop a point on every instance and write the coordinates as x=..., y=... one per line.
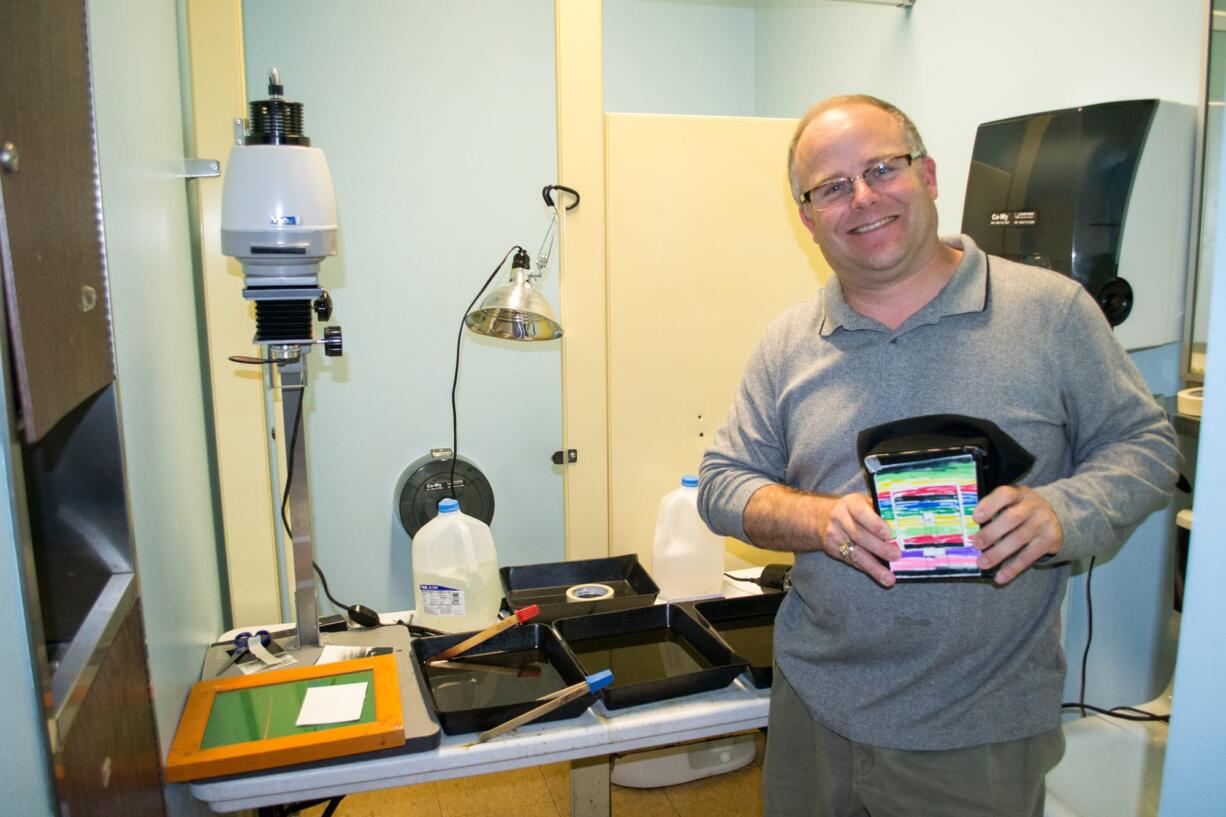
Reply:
x=448, y=506
x=689, y=481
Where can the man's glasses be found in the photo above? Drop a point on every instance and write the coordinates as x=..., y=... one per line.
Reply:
x=878, y=177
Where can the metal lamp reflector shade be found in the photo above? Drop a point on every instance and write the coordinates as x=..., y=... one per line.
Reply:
x=515, y=311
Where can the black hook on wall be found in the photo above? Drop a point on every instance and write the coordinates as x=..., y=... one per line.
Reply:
x=547, y=190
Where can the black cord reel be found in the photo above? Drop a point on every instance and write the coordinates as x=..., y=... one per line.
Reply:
x=428, y=480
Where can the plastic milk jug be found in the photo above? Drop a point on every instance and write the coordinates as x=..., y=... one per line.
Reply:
x=687, y=559
x=455, y=572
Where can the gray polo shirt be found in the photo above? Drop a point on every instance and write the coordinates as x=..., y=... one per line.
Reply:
x=940, y=665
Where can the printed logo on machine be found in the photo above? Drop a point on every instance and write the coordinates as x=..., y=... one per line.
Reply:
x=1014, y=218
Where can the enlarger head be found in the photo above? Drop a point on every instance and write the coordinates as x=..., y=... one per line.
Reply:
x=278, y=218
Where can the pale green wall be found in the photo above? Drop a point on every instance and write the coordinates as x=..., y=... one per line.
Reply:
x=952, y=64
x=25, y=775
x=679, y=57
x=135, y=58
x=1192, y=775
x=439, y=126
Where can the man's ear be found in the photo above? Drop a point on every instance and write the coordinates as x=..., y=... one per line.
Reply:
x=804, y=218
x=930, y=176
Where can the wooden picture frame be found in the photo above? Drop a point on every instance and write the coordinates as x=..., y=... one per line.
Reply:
x=198, y=752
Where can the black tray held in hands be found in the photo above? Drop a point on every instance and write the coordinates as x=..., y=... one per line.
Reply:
x=747, y=625
x=655, y=653
x=498, y=679
x=563, y=589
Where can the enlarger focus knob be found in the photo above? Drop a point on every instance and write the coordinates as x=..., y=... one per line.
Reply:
x=333, y=345
x=323, y=306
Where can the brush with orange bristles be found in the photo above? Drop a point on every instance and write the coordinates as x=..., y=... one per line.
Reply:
x=521, y=616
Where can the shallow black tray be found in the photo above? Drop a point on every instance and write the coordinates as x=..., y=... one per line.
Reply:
x=517, y=639
x=545, y=585
x=723, y=665
x=728, y=616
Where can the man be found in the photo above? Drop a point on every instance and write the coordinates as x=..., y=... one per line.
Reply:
x=922, y=698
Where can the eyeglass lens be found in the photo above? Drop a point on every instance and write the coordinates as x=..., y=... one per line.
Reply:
x=836, y=191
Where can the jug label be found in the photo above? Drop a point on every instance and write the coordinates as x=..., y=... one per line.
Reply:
x=442, y=601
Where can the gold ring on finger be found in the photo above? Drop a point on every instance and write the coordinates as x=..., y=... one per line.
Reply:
x=847, y=550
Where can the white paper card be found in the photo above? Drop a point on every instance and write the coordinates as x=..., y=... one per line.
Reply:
x=334, y=704
x=252, y=667
x=339, y=652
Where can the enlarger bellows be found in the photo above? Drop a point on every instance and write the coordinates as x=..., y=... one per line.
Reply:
x=283, y=321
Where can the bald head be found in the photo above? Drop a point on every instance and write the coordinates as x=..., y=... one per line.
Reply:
x=914, y=143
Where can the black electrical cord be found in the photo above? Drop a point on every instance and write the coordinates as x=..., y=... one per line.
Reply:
x=772, y=577
x=297, y=808
x=420, y=630
x=455, y=377
x=358, y=613
x=1147, y=715
x=1127, y=713
x=1117, y=711
x=289, y=479
x=289, y=465
x=1085, y=654
x=416, y=629
x=323, y=580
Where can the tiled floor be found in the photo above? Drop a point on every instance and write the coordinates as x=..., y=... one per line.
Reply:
x=544, y=791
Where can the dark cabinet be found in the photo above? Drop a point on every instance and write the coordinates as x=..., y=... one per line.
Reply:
x=80, y=587
x=53, y=264
x=107, y=767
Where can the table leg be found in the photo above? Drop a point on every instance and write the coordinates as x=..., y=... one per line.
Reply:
x=589, y=787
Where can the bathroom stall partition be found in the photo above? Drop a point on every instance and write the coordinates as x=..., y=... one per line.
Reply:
x=704, y=247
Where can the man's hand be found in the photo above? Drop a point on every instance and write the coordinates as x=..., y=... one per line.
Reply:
x=1018, y=524
x=781, y=518
x=851, y=519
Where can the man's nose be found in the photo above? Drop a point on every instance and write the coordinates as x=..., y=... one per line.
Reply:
x=862, y=195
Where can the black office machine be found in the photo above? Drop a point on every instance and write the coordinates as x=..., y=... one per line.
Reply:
x=1101, y=193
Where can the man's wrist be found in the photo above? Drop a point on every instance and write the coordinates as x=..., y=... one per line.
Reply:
x=778, y=517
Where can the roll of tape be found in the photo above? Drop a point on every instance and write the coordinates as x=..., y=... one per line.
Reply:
x=589, y=592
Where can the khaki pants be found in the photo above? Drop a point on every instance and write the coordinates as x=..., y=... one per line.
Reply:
x=813, y=772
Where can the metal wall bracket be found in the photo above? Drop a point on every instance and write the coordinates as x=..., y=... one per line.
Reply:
x=902, y=4
x=566, y=457
x=201, y=168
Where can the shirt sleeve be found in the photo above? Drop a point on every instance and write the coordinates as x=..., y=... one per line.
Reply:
x=1125, y=461
x=749, y=451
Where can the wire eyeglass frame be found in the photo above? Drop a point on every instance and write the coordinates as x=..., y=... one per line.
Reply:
x=835, y=192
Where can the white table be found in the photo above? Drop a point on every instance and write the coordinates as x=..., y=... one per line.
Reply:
x=587, y=741
x=595, y=734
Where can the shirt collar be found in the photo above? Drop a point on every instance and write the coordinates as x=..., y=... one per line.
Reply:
x=966, y=291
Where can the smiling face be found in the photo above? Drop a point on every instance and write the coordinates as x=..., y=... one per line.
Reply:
x=878, y=237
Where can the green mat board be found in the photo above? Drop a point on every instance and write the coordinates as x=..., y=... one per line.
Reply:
x=270, y=711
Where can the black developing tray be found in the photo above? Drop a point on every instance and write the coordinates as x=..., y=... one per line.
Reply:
x=655, y=653
x=545, y=585
x=509, y=672
x=747, y=625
